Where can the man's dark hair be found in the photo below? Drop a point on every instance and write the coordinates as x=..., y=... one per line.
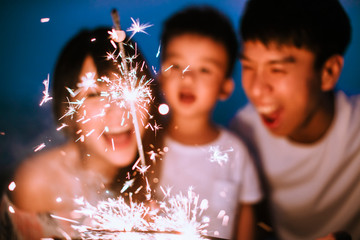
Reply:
x=205, y=21
x=320, y=26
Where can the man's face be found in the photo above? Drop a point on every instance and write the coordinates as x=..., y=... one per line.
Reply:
x=282, y=84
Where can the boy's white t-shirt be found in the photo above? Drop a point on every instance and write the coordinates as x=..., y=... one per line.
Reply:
x=221, y=172
x=314, y=189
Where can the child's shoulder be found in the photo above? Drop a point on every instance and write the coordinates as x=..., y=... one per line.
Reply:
x=229, y=139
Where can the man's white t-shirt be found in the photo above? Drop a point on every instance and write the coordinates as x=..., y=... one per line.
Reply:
x=314, y=189
x=220, y=172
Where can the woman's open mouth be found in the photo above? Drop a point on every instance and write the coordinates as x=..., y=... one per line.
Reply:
x=118, y=138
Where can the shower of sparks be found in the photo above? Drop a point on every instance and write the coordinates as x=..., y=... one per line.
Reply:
x=46, y=91
x=137, y=27
x=175, y=218
x=219, y=156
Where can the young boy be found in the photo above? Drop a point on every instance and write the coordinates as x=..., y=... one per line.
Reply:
x=304, y=133
x=199, y=49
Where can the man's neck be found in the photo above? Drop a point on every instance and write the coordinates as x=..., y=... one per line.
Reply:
x=318, y=123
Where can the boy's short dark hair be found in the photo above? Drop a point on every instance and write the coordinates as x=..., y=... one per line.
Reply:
x=205, y=21
x=321, y=26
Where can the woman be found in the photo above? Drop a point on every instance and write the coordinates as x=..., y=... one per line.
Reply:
x=91, y=100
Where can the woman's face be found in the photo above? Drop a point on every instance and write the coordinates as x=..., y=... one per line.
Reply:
x=104, y=126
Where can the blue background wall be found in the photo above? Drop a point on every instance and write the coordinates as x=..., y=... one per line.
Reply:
x=30, y=48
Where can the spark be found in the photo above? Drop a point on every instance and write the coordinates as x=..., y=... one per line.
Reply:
x=73, y=107
x=219, y=156
x=11, y=209
x=137, y=27
x=127, y=184
x=72, y=93
x=46, y=91
x=186, y=69
x=168, y=68
x=89, y=133
x=61, y=127
x=39, y=147
x=12, y=186
x=158, y=51
x=63, y=219
x=88, y=81
x=44, y=20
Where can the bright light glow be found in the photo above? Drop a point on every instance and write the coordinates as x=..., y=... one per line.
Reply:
x=163, y=109
x=12, y=186
x=44, y=20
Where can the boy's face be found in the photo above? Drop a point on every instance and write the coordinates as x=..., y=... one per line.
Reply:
x=283, y=86
x=193, y=74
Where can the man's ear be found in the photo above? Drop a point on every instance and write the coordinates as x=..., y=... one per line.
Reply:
x=331, y=72
x=227, y=89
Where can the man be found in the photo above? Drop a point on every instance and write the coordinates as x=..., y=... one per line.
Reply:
x=304, y=134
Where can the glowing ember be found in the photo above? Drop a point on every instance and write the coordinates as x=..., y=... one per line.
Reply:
x=46, y=91
x=163, y=109
x=39, y=147
x=12, y=186
x=44, y=20
x=137, y=27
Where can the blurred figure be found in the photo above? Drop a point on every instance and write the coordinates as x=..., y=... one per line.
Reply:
x=303, y=132
x=99, y=156
x=199, y=49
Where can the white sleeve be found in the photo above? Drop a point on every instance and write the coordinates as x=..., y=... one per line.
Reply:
x=250, y=188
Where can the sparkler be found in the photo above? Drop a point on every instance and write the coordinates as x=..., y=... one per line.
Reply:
x=131, y=94
x=176, y=218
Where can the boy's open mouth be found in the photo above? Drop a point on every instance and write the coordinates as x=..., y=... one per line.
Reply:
x=187, y=97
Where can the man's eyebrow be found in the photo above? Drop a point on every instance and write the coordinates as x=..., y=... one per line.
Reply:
x=287, y=59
